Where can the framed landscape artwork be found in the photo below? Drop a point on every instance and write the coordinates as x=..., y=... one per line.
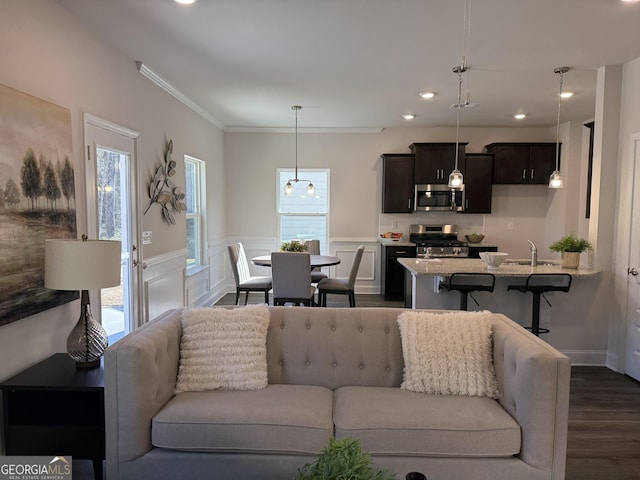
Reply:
x=37, y=199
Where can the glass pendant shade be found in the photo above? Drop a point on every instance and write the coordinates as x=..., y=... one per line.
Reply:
x=456, y=180
x=556, y=180
x=311, y=189
x=288, y=189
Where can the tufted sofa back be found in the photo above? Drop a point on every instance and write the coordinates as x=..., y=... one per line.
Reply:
x=334, y=347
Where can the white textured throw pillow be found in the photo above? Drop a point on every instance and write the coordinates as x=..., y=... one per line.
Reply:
x=223, y=348
x=448, y=353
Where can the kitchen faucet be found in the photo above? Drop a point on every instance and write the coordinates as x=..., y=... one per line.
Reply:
x=534, y=254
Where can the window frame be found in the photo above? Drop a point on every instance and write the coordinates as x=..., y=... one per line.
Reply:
x=199, y=215
x=302, y=172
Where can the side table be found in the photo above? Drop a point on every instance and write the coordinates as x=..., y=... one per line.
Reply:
x=52, y=408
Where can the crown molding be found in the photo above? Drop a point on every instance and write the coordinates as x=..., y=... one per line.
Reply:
x=177, y=94
x=174, y=92
x=303, y=130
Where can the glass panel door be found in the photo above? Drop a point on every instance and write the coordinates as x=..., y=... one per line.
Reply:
x=111, y=215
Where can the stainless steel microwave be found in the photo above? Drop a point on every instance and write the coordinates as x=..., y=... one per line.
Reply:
x=438, y=198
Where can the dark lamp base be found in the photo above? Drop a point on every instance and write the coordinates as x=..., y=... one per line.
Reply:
x=91, y=364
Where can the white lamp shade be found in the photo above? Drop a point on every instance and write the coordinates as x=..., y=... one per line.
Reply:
x=73, y=264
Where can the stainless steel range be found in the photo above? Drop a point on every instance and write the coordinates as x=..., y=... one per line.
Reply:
x=437, y=241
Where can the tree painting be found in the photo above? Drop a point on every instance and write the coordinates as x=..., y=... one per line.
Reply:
x=37, y=199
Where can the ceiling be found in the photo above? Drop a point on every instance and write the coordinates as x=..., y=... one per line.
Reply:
x=360, y=64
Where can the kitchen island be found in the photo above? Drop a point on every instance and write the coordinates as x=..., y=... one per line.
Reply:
x=570, y=310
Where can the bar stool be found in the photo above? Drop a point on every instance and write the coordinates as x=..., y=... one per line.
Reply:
x=539, y=284
x=465, y=283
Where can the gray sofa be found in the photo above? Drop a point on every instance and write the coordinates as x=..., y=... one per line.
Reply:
x=333, y=372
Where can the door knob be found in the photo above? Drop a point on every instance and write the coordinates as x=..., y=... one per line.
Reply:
x=633, y=271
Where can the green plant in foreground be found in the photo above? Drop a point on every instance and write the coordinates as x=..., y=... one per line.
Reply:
x=293, y=246
x=343, y=460
x=570, y=243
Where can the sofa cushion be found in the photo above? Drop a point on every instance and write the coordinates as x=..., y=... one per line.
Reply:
x=292, y=419
x=392, y=421
x=223, y=348
x=448, y=353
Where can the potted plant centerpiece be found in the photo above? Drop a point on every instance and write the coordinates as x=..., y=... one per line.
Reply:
x=293, y=246
x=570, y=248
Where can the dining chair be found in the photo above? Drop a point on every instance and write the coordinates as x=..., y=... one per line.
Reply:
x=342, y=286
x=313, y=247
x=291, y=273
x=244, y=281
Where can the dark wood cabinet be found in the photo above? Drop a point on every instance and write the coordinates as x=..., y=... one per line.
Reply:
x=54, y=407
x=478, y=178
x=435, y=161
x=393, y=272
x=397, y=182
x=523, y=163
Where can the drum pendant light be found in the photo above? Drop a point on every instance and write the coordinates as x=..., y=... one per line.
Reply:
x=288, y=188
x=556, y=180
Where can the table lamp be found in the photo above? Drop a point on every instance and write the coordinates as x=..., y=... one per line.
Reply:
x=73, y=264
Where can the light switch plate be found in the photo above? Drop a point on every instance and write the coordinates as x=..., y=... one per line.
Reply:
x=146, y=237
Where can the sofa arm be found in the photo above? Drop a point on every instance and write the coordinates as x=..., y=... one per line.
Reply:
x=140, y=377
x=534, y=380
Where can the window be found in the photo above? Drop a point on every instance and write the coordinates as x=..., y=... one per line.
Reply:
x=195, y=200
x=302, y=216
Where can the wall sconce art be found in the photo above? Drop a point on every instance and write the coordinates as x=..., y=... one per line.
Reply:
x=162, y=190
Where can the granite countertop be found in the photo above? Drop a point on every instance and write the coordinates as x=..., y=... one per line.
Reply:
x=447, y=266
x=402, y=242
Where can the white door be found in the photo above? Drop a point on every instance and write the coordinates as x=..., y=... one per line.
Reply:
x=632, y=364
x=112, y=215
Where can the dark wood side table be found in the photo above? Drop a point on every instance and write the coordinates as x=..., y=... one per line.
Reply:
x=52, y=408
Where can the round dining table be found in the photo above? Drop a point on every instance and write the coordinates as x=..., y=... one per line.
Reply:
x=316, y=260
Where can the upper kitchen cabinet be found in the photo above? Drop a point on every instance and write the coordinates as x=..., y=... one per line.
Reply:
x=523, y=163
x=397, y=182
x=435, y=161
x=478, y=177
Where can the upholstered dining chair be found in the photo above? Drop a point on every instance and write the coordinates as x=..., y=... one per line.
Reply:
x=342, y=286
x=244, y=281
x=313, y=247
x=291, y=273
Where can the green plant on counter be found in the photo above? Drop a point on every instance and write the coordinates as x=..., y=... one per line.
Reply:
x=343, y=460
x=570, y=243
x=293, y=246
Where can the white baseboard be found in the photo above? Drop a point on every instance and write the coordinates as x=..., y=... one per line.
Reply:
x=587, y=357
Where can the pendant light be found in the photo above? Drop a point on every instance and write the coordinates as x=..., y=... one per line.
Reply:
x=556, y=180
x=456, y=179
x=288, y=188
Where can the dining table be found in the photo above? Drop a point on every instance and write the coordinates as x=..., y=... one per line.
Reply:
x=316, y=260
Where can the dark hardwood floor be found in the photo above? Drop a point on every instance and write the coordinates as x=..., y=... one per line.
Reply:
x=604, y=414
x=604, y=425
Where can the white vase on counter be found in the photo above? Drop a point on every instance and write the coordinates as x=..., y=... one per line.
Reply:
x=570, y=259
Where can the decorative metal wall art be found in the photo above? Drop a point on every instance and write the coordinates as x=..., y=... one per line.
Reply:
x=163, y=191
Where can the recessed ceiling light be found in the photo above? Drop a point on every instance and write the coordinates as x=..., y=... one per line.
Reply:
x=408, y=116
x=566, y=94
x=629, y=1
x=185, y=2
x=427, y=95
x=520, y=116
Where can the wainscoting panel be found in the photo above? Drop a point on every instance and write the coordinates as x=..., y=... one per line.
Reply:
x=164, y=283
x=196, y=288
x=368, y=279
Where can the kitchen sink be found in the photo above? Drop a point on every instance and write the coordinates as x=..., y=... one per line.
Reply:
x=541, y=263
